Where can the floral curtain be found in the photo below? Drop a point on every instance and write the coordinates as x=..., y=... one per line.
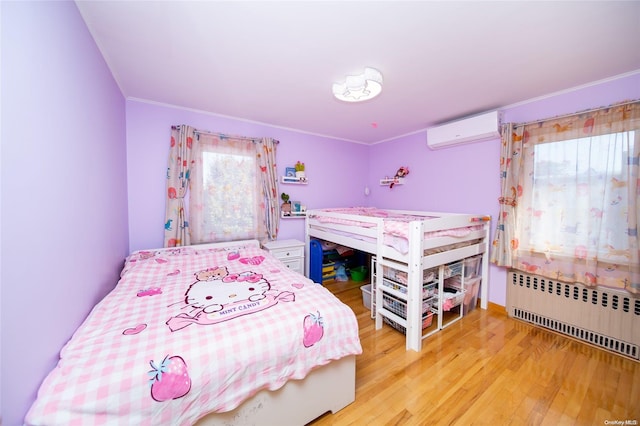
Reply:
x=571, y=198
x=176, y=226
x=266, y=156
x=510, y=166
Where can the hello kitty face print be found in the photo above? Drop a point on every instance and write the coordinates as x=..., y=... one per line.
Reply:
x=218, y=295
x=220, y=289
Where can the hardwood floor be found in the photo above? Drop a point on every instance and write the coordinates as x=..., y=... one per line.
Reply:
x=486, y=369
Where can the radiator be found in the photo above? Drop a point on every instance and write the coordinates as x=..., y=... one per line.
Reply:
x=605, y=318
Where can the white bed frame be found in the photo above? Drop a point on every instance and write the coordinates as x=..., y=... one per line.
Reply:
x=327, y=388
x=371, y=240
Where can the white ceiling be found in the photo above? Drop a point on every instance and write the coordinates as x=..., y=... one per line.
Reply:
x=275, y=62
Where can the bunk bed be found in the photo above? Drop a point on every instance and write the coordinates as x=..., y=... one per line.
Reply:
x=219, y=334
x=412, y=242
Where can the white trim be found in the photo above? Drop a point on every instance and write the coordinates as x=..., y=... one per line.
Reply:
x=571, y=89
x=531, y=100
x=213, y=114
x=502, y=108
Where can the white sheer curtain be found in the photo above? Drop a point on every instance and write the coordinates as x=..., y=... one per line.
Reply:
x=233, y=188
x=572, y=190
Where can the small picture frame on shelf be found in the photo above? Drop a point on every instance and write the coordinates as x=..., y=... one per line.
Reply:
x=295, y=206
x=290, y=172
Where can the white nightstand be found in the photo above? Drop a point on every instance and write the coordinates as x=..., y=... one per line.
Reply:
x=290, y=252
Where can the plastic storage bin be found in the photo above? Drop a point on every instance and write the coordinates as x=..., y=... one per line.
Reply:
x=471, y=295
x=359, y=273
x=472, y=266
x=452, y=269
x=366, y=296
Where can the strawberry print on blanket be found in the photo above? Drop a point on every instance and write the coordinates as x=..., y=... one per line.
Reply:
x=189, y=331
x=169, y=379
x=313, y=330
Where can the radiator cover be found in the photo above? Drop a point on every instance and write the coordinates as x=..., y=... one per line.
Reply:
x=605, y=318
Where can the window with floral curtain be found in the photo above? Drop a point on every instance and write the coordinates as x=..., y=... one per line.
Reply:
x=571, y=198
x=231, y=186
x=228, y=197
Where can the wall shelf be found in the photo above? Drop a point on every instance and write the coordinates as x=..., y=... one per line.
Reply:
x=389, y=181
x=294, y=215
x=293, y=180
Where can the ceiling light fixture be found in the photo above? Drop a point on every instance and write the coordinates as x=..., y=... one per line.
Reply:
x=358, y=88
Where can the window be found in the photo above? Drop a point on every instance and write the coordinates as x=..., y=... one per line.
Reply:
x=570, y=204
x=220, y=188
x=576, y=190
x=229, y=207
x=226, y=191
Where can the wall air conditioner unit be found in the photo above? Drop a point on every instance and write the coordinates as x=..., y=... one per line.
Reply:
x=471, y=129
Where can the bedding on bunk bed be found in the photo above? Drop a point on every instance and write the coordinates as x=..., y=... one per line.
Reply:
x=190, y=331
x=396, y=225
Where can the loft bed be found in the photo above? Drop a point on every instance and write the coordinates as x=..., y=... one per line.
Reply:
x=215, y=334
x=409, y=241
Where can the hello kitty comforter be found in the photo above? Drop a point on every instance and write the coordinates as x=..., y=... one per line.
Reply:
x=187, y=332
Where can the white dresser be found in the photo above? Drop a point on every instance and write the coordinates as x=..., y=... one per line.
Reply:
x=290, y=252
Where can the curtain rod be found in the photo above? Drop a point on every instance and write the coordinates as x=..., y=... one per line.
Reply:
x=205, y=132
x=586, y=111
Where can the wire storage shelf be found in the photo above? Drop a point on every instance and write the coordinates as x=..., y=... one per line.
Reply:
x=428, y=289
x=427, y=319
x=445, y=297
x=452, y=298
x=399, y=307
x=400, y=277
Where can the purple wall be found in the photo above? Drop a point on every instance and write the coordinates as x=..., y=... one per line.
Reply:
x=465, y=178
x=64, y=201
x=456, y=179
x=461, y=178
x=336, y=170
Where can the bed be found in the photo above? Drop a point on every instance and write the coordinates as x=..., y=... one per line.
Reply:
x=410, y=241
x=210, y=334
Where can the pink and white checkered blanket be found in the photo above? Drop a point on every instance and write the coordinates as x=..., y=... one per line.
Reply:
x=187, y=332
